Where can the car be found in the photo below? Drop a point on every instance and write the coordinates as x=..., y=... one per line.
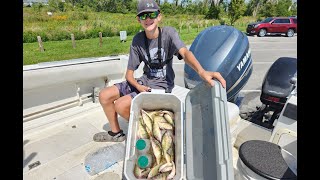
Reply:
x=273, y=25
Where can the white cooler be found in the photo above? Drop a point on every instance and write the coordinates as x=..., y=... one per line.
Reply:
x=202, y=136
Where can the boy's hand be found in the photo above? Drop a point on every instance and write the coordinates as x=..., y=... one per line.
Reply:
x=208, y=76
x=142, y=88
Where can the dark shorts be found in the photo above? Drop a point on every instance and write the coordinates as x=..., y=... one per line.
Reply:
x=125, y=88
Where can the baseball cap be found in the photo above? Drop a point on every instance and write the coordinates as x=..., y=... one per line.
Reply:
x=147, y=6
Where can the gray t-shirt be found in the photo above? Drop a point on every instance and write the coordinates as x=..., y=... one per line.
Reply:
x=156, y=78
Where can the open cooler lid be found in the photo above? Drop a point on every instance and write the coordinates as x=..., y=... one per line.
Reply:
x=207, y=134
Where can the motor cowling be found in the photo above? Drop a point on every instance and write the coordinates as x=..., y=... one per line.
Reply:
x=279, y=82
x=222, y=49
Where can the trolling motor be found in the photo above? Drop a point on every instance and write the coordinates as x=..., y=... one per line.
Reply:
x=280, y=82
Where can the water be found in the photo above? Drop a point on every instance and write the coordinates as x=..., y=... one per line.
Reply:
x=104, y=158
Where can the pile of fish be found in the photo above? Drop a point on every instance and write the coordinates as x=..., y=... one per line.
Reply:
x=158, y=127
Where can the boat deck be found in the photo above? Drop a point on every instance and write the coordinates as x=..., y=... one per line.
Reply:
x=57, y=150
x=56, y=141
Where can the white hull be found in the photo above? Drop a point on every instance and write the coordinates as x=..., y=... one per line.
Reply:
x=60, y=118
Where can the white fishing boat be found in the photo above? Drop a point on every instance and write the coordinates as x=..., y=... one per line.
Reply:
x=61, y=114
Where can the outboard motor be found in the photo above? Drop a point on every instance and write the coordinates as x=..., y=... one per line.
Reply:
x=222, y=49
x=279, y=83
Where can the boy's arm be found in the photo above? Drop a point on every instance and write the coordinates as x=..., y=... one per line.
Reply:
x=130, y=78
x=191, y=60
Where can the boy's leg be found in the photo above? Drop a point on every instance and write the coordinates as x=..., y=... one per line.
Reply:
x=115, y=99
x=122, y=106
x=107, y=96
x=127, y=92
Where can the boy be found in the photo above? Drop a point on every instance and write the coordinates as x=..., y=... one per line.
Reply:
x=154, y=46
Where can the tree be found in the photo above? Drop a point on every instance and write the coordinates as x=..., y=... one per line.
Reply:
x=253, y=7
x=293, y=8
x=282, y=8
x=276, y=8
x=205, y=3
x=73, y=2
x=166, y=8
x=214, y=12
x=184, y=3
x=236, y=10
x=268, y=10
x=37, y=7
x=53, y=5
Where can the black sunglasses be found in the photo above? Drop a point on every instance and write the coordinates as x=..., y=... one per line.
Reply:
x=151, y=15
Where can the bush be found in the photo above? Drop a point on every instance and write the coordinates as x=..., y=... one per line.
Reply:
x=222, y=22
x=29, y=37
x=133, y=29
x=60, y=36
x=78, y=35
x=215, y=12
x=107, y=32
x=93, y=33
x=44, y=36
x=36, y=18
x=79, y=16
x=37, y=7
x=260, y=18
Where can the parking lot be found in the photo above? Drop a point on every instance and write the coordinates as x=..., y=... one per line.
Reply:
x=265, y=51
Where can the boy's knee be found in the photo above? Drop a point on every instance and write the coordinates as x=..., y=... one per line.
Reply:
x=106, y=96
x=103, y=96
x=118, y=106
x=122, y=106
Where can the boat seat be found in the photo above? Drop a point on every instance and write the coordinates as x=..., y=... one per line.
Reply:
x=265, y=159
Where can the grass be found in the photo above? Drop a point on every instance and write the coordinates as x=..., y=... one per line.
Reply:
x=86, y=25
x=63, y=50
